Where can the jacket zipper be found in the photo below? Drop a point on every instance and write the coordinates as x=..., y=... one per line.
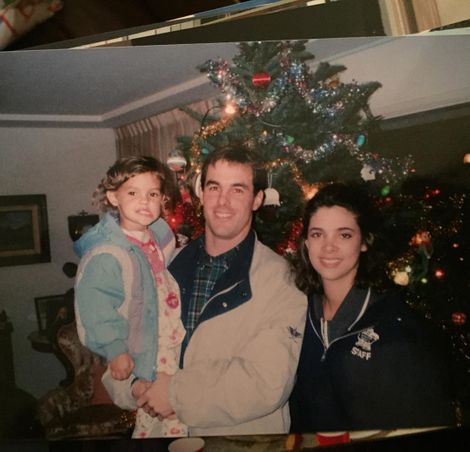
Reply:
x=361, y=313
x=327, y=347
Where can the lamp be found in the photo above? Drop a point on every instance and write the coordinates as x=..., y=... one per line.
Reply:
x=79, y=224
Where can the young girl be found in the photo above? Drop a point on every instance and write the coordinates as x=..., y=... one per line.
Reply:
x=126, y=302
x=367, y=360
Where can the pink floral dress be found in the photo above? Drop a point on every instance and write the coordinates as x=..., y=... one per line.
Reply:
x=170, y=336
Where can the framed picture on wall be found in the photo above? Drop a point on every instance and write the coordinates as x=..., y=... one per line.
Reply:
x=24, y=234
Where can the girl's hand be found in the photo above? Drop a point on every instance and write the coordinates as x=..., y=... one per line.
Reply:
x=121, y=366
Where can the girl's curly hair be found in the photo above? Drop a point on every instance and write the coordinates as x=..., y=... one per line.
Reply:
x=125, y=168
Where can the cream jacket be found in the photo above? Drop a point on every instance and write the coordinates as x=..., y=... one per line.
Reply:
x=239, y=366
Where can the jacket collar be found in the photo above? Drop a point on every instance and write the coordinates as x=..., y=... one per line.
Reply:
x=240, y=264
x=350, y=312
x=356, y=312
x=183, y=266
x=108, y=230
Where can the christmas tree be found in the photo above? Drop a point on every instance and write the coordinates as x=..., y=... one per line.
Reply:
x=310, y=128
x=427, y=221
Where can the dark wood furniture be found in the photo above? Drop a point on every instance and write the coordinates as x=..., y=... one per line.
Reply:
x=18, y=408
x=7, y=371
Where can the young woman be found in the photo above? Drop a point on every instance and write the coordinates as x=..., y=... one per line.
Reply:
x=367, y=360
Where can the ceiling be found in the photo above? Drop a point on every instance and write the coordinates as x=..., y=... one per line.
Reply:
x=109, y=87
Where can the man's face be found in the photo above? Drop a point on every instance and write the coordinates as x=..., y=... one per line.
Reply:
x=228, y=202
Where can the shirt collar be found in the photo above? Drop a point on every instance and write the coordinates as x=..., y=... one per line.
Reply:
x=350, y=311
x=221, y=259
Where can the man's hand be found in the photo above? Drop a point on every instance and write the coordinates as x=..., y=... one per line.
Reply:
x=121, y=366
x=155, y=401
x=139, y=387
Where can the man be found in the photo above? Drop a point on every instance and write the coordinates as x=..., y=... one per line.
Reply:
x=243, y=316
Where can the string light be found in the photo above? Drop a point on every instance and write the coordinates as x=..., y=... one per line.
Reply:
x=230, y=109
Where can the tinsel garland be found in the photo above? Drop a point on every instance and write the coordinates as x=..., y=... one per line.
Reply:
x=328, y=100
x=203, y=133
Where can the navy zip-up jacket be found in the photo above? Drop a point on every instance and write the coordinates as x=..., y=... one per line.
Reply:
x=387, y=372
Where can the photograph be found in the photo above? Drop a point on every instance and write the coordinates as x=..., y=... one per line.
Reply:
x=330, y=122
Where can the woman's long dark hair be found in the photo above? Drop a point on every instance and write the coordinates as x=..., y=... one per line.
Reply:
x=372, y=263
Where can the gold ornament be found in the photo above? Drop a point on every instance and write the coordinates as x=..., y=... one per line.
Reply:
x=401, y=278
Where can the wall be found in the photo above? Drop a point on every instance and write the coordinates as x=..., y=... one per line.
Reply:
x=65, y=165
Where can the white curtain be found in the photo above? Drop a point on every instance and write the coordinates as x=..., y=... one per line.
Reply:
x=156, y=135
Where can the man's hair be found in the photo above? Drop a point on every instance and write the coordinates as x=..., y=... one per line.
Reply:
x=372, y=262
x=127, y=167
x=237, y=153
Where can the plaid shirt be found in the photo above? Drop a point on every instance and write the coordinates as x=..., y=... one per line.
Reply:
x=209, y=270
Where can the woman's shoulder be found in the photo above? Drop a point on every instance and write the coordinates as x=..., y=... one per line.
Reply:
x=394, y=306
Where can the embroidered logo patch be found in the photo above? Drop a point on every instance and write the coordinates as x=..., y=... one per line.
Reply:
x=293, y=333
x=363, y=346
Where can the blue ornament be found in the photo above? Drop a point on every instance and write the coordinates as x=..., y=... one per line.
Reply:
x=360, y=140
x=204, y=151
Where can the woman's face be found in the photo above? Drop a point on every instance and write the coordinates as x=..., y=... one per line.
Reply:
x=334, y=243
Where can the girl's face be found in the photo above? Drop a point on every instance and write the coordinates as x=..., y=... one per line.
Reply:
x=138, y=200
x=334, y=243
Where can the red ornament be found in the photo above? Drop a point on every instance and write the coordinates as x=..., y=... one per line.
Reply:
x=289, y=244
x=186, y=196
x=459, y=318
x=261, y=79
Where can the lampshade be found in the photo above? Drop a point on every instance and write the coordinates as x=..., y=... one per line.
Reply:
x=79, y=224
